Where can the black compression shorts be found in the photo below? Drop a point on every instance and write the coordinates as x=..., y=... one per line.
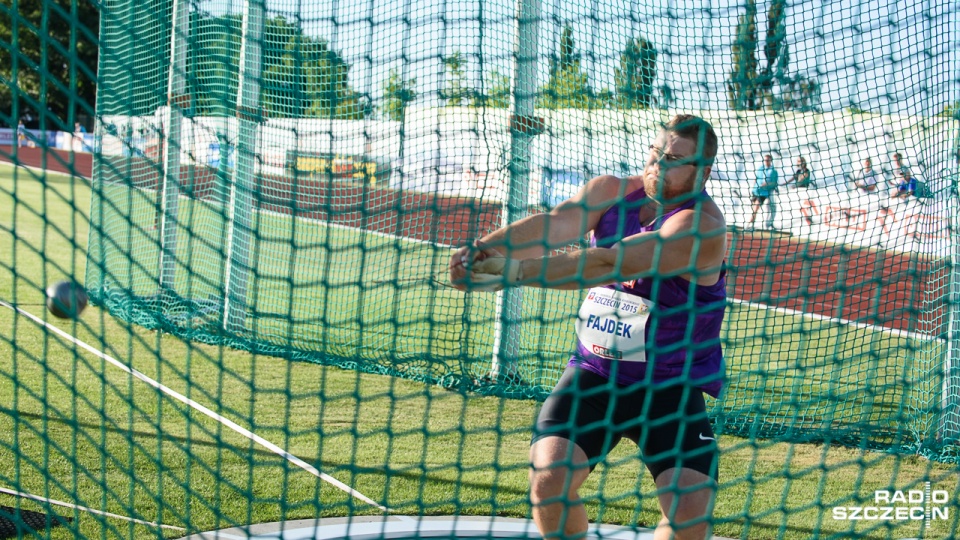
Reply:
x=671, y=427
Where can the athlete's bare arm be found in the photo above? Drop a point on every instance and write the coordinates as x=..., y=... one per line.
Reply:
x=686, y=245
x=538, y=235
x=690, y=244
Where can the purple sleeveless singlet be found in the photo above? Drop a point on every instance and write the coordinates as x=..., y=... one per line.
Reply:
x=676, y=344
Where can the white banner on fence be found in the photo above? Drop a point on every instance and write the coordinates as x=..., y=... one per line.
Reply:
x=847, y=217
x=463, y=152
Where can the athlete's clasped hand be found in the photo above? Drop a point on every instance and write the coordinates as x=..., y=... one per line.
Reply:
x=480, y=268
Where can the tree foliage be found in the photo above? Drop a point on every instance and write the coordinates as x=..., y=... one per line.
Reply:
x=856, y=109
x=213, y=61
x=667, y=97
x=495, y=94
x=304, y=77
x=455, y=92
x=494, y=91
x=743, y=90
x=397, y=95
x=799, y=93
x=951, y=110
x=301, y=76
x=56, y=52
x=567, y=86
x=774, y=86
x=636, y=74
x=775, y=51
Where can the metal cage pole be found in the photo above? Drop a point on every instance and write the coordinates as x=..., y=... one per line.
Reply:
x=949, y=429
x=240, y=195
x=506, y=345
x=172, y=127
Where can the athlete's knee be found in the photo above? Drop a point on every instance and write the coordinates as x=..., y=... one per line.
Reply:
x=555, y=481
x=558, y=468
x=551, y=482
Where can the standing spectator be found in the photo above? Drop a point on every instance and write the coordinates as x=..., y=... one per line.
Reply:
x=801, y=177
x=21, y=134
x=763, y=191
x=866, y=181
x=78, y=131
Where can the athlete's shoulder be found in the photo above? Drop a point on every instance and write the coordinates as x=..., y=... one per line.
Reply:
x=608, y=184
x=605, y=190
x=705, y=217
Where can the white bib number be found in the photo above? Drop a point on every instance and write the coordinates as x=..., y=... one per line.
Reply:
x=612, y=324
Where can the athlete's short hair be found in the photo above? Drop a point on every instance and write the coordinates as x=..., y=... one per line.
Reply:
x=697, y=130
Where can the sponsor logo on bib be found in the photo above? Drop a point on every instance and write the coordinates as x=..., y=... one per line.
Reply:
x=600, y=350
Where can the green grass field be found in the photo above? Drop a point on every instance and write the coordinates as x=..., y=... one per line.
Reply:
x=76, y=429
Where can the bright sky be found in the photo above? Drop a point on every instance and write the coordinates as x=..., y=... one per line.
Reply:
x=894, y=56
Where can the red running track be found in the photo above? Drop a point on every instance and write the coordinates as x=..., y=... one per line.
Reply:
x=883, y=288
x=50, y=159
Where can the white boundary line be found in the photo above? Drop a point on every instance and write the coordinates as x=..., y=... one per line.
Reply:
x=187, y=401
x=407, y=527
x=85, y=509
x=359, y=230
x=845, y=322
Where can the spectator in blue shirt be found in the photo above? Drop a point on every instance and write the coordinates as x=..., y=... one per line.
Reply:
x=763, y=191
x=907, y=185
x=900, y=176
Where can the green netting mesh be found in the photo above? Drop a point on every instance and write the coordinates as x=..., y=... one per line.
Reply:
x=265, y=212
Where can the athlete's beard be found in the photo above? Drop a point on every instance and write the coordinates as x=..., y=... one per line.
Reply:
x=651, y=184
x=677, y=192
